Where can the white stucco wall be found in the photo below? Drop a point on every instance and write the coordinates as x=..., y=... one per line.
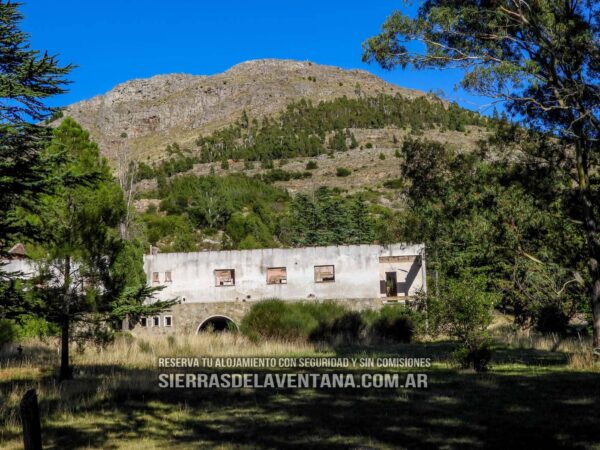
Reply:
x=26, y=267
x=357, y=272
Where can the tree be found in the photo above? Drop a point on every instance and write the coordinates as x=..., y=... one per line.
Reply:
x=541, y=58
x=26, y=80
x=88, y=275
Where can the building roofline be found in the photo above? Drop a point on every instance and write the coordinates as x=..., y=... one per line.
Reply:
x=402, y=244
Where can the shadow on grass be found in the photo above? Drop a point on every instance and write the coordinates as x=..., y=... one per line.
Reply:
x=459, y=410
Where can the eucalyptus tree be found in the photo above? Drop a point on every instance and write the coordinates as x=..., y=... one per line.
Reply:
x=541, y=58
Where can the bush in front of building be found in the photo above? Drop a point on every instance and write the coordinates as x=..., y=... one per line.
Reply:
x=274, y=319
x=394, y=329
x=329, y=322
x=345, y=329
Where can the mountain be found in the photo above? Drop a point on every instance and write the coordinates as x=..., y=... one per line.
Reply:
x=142, y=116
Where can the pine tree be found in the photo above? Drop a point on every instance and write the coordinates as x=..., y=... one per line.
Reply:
x=88, y=274
x=27, y=78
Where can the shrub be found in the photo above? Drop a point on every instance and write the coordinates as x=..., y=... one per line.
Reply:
x=342, y=172
x=311, y=165
x=347, y=328
x=478, y=357
x=274, y=319
x=35, y=327
x=7, y=332
x=397, y=183
x=389, y=328
x=382, y=156
x=369, y=145
x=225, y=164
x=145, y=346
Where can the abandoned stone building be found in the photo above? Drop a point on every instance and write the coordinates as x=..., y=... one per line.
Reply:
x=216, y=288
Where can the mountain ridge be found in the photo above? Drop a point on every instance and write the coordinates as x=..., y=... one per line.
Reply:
x=141, y=116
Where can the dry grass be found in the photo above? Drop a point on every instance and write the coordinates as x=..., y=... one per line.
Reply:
x=578, y=350
x=114, y=400
x=143, y=352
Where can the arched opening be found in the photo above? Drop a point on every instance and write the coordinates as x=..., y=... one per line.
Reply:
x=218, y=323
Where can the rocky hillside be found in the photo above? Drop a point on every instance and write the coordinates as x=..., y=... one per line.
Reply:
x=143, y=116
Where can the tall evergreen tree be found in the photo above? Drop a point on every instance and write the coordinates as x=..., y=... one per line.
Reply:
x=27, y=78
x=88, y=274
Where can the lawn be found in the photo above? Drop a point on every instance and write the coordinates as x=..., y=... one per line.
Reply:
x=539, y=393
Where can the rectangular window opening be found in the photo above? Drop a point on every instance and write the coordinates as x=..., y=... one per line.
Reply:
x=324, y=274
x=156, y=321
x=225, y=277
x=277, y=275
x=143, y=322
x=168, y=321
x=168, y=278
x=155, y=278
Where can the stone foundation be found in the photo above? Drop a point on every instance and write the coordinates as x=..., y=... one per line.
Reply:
x=186, y=318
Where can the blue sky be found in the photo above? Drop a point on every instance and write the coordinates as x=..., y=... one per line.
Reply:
x=114, y=41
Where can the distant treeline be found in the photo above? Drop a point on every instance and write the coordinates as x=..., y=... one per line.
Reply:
x=306, y=129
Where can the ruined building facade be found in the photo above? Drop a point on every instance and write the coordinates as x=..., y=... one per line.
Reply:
x=217, y=288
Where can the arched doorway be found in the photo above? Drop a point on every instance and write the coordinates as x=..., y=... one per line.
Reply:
x=217, y=323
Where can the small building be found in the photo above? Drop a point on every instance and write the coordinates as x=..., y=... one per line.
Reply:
x=223, y=284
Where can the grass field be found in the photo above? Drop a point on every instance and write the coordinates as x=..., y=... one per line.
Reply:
x=539, y=393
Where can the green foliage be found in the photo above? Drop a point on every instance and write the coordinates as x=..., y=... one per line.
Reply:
x=464, y=310
x=7, y=332
x=274, y=175
x=328, y=219
x=382, y=156
x=347, y=328
x=342, y=172
x=248, y=231
x=245, y=208
x=396, y=324
x=170, y=233
x=274, y=319
x=328, y=322
x=28, y=78
x=398, y=183
x=302, y=129
x=35, y=327
x=87, y=274
x=311, y=165
x=542, y=61
x=477, y=357
x=178, y=161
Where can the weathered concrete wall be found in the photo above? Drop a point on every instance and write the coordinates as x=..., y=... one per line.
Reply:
x=358, y=273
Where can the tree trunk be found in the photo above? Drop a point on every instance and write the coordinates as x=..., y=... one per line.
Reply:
x=65, y=369
x=596, y=313
x=591, y=234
